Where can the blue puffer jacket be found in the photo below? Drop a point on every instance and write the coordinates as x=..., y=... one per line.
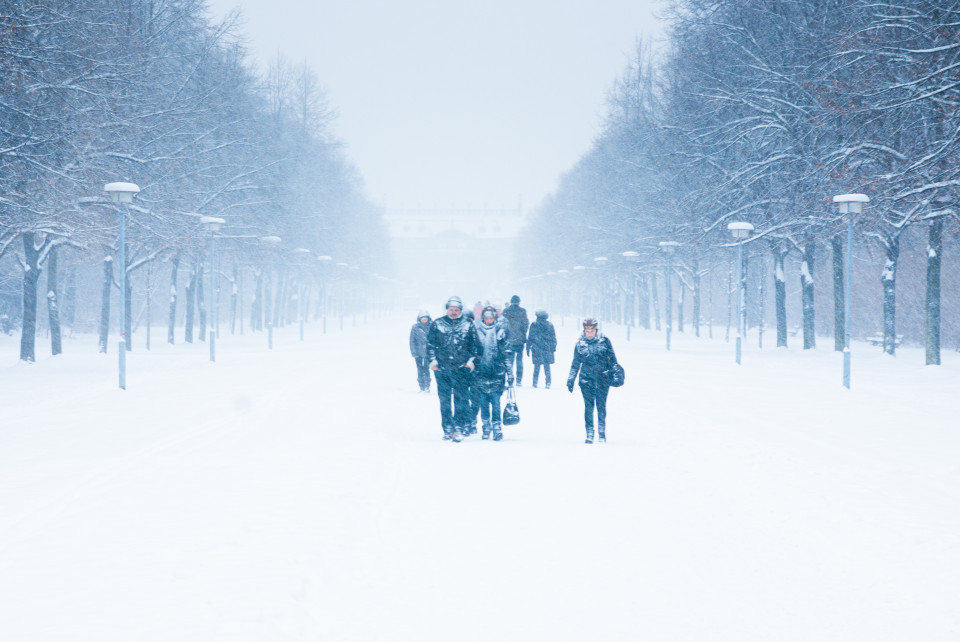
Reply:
x=494, y=360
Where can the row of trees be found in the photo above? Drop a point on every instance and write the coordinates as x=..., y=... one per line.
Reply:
x=150, y=92
x=760, y=111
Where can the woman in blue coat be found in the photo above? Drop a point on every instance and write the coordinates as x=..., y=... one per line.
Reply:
x=593, y=359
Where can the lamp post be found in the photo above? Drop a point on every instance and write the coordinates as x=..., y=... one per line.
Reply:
x=850, y=205
x=303, y=255
x=632, y=258
x=668, y=248
x=271, y=243
x=601, y=262
x=324, y=263
x=740, y=230
x=212, y=225
x=341, y=275
x=123, y=194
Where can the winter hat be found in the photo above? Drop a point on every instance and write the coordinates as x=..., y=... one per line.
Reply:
x=423, y=314
x=589, y=322
x=454, y=302
x=515, y=299
x=468, y=314
x=489, y=310
x=541, y=314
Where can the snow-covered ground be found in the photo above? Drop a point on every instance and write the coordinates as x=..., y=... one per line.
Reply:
x=306, y=494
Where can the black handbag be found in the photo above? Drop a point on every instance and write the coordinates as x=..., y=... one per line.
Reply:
x=511, y=414
x=617, y=375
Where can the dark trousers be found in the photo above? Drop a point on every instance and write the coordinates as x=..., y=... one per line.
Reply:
x=546, y=373
x=454, y=403
x=595, y=397
x=517, y=352
x=489, y=409
x=423, y=372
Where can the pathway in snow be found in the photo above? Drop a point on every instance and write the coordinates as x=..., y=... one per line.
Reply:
x=305, y=494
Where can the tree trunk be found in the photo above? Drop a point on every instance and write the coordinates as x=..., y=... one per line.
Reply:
x=172, y=320
x=696, y=298
x=730, y=291
x=105, y=303
x=149, y=291
x=761, y=292
x=53, y=312
x=806, y=283
x=190, y=296
x=69, y=305
x=780, y=296
x=836, y=244
x=233, y=298
x=655, y=297
x=267, y=300
x=932, y=329
x=889, y=281
x=680, y=300
x=201, y=303
x=31, y=278
x=643, y=307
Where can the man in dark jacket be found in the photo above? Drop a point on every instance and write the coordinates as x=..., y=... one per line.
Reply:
x=541, y=345
x=518, y=324
x=418, y=348
x=452, y=348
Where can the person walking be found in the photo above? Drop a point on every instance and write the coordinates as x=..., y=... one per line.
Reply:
x=418, y=348
x=452, y=348
x=518, y=324
x=593, y=359
x=541, y=346
x=492, y=368
x=469, y=425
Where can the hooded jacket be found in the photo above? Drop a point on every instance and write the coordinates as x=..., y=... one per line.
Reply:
x=494, y=362
x=418, y=337
x=542, y=340
x=519, y=323
x=452, y=342
x=592, y=358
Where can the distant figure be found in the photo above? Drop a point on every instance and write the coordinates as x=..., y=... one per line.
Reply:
x=518, y=324
x=541, y=346
x=593, y=357
x=493, y=365
x=418, y=348
x=477, y=309
x=452, y=348
x=469, y=425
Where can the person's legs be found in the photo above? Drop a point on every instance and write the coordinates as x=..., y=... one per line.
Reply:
x=589, y=401
x=536, y=374
x=519, y=364
x=423, y=373
x=484, y=405
x=462, y=412
x=546, y=373
x=445, y=392
x=602, y=412
x=496, y=418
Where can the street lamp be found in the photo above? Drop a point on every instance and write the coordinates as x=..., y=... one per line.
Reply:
x=271, y=243
x=850, y=205
x=600, y=262
x=340, y=278
x=123, y=194
x=324, y=263
x=740, y=230
x=212, y=225
x=632, y=258
x=302, y=255
x=668, y=248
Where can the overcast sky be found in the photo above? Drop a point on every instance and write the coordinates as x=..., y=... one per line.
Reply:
x=448, y=104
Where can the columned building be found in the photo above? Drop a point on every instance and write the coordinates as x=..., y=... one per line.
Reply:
x=439, y=253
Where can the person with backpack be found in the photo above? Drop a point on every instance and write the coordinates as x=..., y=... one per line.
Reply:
x=493, y=365
x=518, y=324
x=418, y=348
x=541, y=346
x=453, y=349
x=593, y=360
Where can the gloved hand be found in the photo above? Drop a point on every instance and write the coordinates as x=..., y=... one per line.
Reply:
x=510, y=380
x=469, y=364
x=434, y=365
x=570, y=385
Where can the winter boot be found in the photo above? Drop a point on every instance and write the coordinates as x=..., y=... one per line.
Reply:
x=486, y=430
x=497, y=433
x=589, y=436
x=602, y=434
x=456, y=436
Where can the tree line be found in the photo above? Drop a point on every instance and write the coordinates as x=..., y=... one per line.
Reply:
x=151, y=92
x=761, y=111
